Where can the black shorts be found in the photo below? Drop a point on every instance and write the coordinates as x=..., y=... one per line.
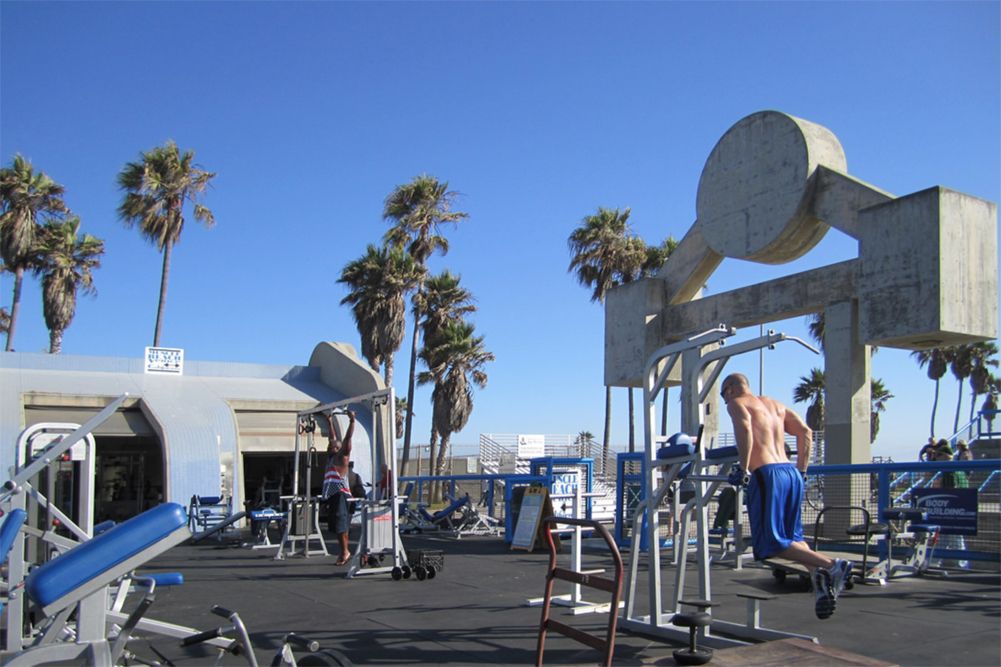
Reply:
x=338, y=514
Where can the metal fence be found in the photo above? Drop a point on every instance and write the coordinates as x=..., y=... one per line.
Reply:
x=874, y=487
x=962, y=497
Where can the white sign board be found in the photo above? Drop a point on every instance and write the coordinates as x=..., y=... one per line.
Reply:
x=531, y=446
x=165, y=360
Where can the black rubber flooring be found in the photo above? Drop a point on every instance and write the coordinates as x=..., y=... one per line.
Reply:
x=474, y=612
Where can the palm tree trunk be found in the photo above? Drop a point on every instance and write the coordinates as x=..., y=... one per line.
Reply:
x=934, y=409
x=55, y=341
x=408, y=426
x=15, y=307
x=959, y=405
x=606, y=442
x=632, y=423
x=973, y=408
x=164, y=280
x=439, y=467
x=432, y=445
x=389, y=371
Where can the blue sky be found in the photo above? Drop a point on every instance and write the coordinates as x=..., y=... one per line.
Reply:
x=537, y=113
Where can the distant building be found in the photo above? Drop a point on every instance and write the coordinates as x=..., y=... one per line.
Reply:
x=193, y=427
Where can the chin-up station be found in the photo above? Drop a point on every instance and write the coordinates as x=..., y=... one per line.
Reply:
x=669, y=461
x=380, y=518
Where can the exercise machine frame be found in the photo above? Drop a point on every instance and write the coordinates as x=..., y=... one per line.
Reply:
x=699, y=372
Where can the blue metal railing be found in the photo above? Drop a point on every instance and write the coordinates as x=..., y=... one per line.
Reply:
x=927, y=472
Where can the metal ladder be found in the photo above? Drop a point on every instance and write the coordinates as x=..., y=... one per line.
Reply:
x=613, y=586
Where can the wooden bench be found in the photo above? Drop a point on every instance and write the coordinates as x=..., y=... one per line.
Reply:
x=797, y=652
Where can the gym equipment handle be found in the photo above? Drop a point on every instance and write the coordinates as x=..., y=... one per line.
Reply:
x=222, y=611
x=202, y=637
x=308, y=644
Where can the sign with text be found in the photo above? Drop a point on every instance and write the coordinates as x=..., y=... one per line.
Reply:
x=531, y=446
x=954, y=510
x=165, y=360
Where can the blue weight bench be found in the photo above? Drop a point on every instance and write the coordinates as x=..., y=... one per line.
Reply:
x=909, y=527
x=419, y=519
x=208, y=512
x=79, y=581
x=443, y=517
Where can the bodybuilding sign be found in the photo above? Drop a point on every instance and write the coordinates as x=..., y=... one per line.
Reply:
x=954, y=510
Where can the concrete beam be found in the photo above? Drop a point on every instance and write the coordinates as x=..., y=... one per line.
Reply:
x=929, y=272
x=779, y=299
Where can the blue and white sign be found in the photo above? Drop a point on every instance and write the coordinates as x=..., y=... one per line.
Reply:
x=954, y=510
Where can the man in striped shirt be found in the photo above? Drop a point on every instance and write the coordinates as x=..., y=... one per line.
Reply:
x=336, y=483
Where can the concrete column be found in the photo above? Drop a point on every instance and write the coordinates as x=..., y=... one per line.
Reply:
x=846, y=376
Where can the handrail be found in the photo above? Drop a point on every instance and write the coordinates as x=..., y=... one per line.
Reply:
x=988, y=480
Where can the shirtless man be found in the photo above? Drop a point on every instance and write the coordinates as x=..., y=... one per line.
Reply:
x=775, y=486
x=336, y=485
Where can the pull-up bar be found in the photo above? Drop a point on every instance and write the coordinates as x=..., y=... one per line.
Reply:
x=724, y=353
x=377, y=398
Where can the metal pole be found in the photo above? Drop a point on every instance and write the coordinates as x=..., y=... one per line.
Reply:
x=761, y=363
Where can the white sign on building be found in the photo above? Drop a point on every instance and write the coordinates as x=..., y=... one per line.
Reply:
x=531, y=446
x=165, y=360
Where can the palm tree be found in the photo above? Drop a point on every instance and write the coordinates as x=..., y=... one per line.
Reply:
x=961, y=365
x=157, y=188
x=812, y=389
x=378, y=282
x=65, y=264
x=456, y=359
x=982, y=358
x=399, y=414
x=602, y=255
x=26, y=196
x=879, y=395
x=937, y=362
x=817, y=326
x=417, y=211
x=442, y=301
x=583, y=441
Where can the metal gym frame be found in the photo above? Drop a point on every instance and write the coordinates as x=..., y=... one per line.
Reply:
x=380, y=516
x=699, y=372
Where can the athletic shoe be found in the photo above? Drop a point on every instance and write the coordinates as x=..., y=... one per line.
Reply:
x=823, y=592
x=841, y=572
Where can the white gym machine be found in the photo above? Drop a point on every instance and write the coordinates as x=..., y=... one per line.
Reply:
x=702, y=357
x=380, y=517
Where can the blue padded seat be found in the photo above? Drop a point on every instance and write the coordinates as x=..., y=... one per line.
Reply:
x=721, y=453
x=674, y=451
x=61, y=576
x=166, y=578
x=679, y=444
x=8, y=531
x=11, y=524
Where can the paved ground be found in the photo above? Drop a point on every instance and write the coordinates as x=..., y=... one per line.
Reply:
x=474, y=612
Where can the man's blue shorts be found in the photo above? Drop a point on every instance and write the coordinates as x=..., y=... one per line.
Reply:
x=338, y=515
x=774, y=507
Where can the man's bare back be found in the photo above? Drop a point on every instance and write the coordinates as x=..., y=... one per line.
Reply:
x=760, y=424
